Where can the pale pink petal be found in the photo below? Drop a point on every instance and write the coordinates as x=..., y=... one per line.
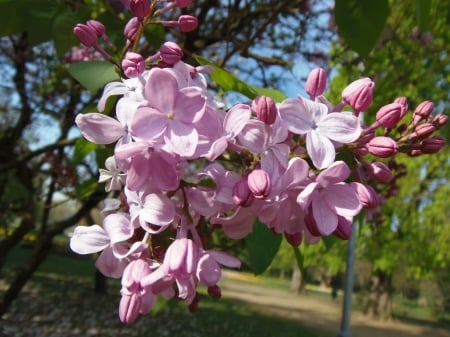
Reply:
x=305, y=196
x=148, y=302
x=296, y=173
x=148, y=124
x=99, y=128
x=118, y=227
x=225, y=259
x=208, y=270
x=189, y=105
x=343, y=199
x=235, y=119
x=325, y=217
x=181, y=138
x=340, y=127
x=295, y=116
x=164, y=171
x=335, y=173
x=320, y=149
x=111, y=89
x=160, y=90
x=109, y=265
x=158, y=209
x=254, y=136
x=129, y=308
x=238, y=225
x=217, y=148
x=89, y=239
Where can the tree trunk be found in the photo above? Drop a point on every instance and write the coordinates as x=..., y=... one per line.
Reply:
x=297, y=280
x=379, y=301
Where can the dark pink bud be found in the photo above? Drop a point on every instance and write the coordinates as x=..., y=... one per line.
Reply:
x=389, y=115
x=85, y=34
x=423, y=111
x=359, y=94
x=259, y=183
x=311, y=224
x=182, y=3
x=140, y=8
x=294, y=239
x=440, y=120
x=265, y=109
x=133, y=65
x=366, y=194
x=380, y=172
x=316, y=82
x=215, y=292
x=368, y=135
x=432, y=145
x=242, y=195
x=98, y=27
x=424, y=130
x=382, y=147
x=170, y=53
x=344, y=229
x=187, y=23
x=131, y=29
x=404, y=103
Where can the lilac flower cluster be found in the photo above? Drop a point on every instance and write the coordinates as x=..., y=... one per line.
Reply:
x=183, y=166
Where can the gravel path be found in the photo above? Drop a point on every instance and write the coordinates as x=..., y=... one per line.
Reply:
x=324, y=314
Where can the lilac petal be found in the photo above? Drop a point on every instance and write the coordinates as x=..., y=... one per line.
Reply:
x=254, y=136
x=238, y=225
x=325, y=217
x=118, y=227
x=296, y=173
x=99, y=128
x=164, y=172
x=343, y=199
x=235, y=119
x=295, y=116
x=208, y=270
x=189, y=105
x=217, y=148
x=125, y=109
x=89, y=239
x=129, y=308
x=191, y=257
x=130, y=150
x=340, y=127
x=225, y=259
x=305, y=197
x=320, y=149
x=111, y=89
x=158, y=209
x=161, y=90
x=148, y=124
x=109, y=265
x=176, y=254
x=335, y=173
x=182, y=138
x=148, y=302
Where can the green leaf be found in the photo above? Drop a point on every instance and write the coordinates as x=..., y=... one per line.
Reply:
x=227, y=81
x=82, y=149
x=262, y=246
x=62, y=27
x=208, y=182
x=93, y=75
x=86, y=188
x=275, y=94
x=361, y=22
x=423, y=8
x=329, y=241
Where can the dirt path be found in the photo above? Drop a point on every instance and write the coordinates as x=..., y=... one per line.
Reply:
x=324, y=314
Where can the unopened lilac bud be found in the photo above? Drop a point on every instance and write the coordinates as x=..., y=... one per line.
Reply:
x=187, y=23
x=294, y=239
x=170, y=53
x=423, y=131
x=389, y=115
x=403, y=101
x=311, y=224
x=343, y=230
x=366, y=194
x=85, y=34
x=440, y=120
x=359, y=94
x=133, y=65
x=380, y=172
x=316, y=82
x=98, y=27
x=423, y=111
x=140, y=8
x=242, y=196
x=383, y=147
x=131, y=29
x=215, y=292
x=432, y=145
x=259, y=183
x=265, y=109
x=182, y=3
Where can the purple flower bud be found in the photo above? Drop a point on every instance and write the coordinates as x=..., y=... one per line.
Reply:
x=366, y=194
x=311, y=224
x=389, y=115
x=259, y=183
x=294, y=239
x=404, y=103
x=383, y=147
x=343, y=230
x=98, y=27
x=131, y=29
x=432, y=145
x=423, y=111
x=133, y=65
x=265, y=109
x=359, y=94
x=316, y=82
x=85, y=34
x=187, y=23
x=440, y=120
x=215, y=292
x=380, y=172
x=424, y=130
x=242, y=196
x=170, y=53
x=140, y=8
